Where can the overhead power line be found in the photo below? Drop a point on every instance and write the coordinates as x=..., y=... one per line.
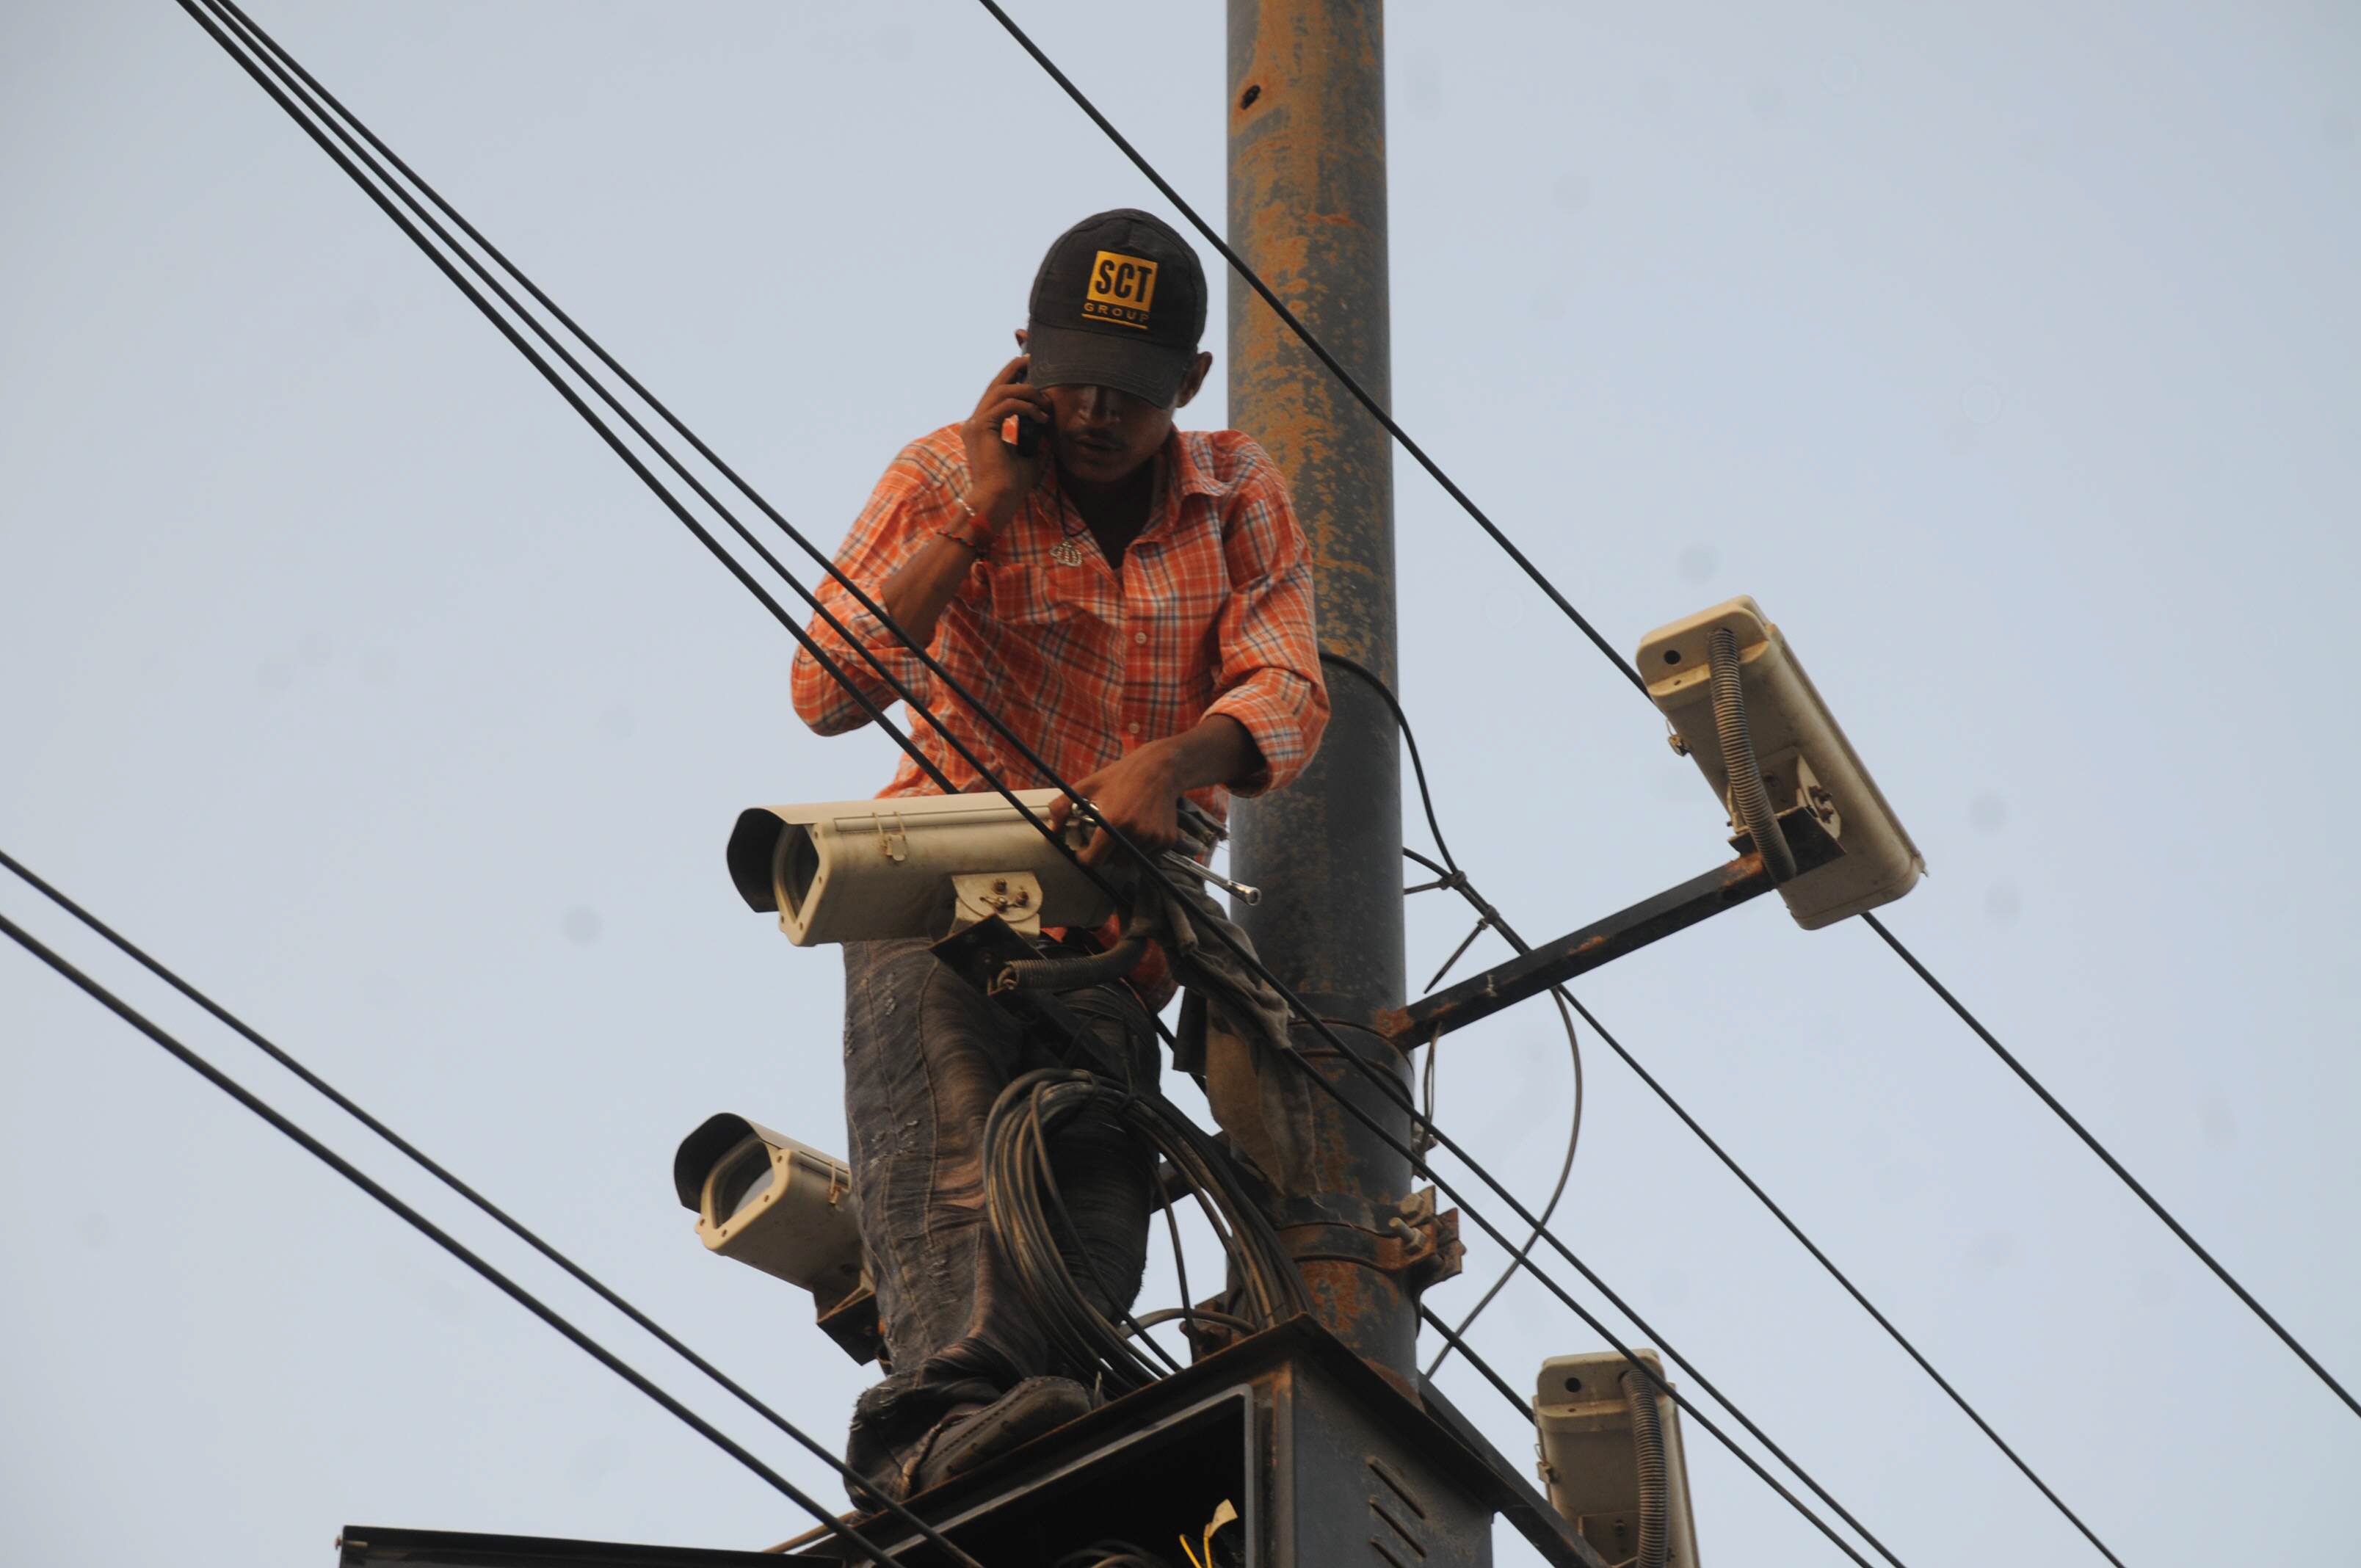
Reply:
x=443, y=1239
x=285, y=1059
x=1467, y=1353
x=321, y=133
x=2096, y=1147
x=1542, y=581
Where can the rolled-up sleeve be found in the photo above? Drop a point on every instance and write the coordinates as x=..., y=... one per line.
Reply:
x=902, y=513
x=1268, y=679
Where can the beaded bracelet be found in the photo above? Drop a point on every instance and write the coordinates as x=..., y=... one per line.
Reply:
x=983, y=550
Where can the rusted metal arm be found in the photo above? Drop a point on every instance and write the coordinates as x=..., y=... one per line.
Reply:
x=1628, y=930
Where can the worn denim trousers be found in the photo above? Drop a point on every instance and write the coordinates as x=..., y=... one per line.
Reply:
x=926, y=1055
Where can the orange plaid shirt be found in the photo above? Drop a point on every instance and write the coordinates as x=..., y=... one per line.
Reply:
x=1211, y=613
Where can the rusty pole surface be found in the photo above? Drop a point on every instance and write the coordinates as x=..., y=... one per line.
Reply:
x=1307, y=210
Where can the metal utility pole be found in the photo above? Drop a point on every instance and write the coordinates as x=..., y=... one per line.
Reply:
x=1307, y=210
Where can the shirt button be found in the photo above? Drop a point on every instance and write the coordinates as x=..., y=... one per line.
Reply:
x=1131, y=728
x=1139, y=637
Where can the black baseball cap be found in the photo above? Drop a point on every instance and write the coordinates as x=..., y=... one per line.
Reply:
x=1119, y=302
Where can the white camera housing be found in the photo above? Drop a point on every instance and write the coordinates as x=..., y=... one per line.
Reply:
x=858, y=870
x=1805, y=759
x=771, y=1202
x=1589, y=1464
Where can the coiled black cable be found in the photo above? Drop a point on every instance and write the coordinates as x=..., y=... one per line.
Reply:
x=1026, y=1213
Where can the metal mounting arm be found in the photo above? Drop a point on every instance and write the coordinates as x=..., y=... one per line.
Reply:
x=1628, y=930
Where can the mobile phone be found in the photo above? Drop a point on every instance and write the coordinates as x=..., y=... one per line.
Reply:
x=1022, y=432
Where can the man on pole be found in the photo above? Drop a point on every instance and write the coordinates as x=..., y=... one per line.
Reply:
x=1136, y=602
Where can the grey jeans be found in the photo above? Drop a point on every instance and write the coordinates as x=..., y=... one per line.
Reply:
x=926, y=1055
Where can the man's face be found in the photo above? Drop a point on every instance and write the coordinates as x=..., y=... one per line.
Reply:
x=1103, y=435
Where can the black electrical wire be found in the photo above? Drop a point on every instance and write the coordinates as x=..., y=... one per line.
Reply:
x=1345, y=377
x=2096, y=1147
x=860, y=1486
x=1385, y=693
x=1453, y=877
x=1180, y=1255
x=919, y=708
x=443, y=1239
x=1050, y=1202
x=1228, y=1320
x=1467, y=1353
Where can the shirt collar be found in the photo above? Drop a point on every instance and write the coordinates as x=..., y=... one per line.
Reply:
x=1184, y=476
x=1190, y=477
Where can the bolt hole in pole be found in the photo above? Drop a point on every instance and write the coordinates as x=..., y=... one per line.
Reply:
x=1248, y=102
x=1672, y=655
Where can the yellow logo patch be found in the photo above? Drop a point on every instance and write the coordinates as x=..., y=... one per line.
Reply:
x=1122, y=290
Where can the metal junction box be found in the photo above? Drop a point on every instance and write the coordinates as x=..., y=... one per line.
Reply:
x=1326, y=1462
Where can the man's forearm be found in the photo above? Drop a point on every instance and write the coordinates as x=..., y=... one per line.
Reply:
x=1215, y=750
x=917, y=591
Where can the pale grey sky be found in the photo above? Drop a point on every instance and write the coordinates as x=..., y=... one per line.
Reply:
x=2006, y=353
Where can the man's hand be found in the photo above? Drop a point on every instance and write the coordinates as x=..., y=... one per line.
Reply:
x=998, y=477
x=1139, y=793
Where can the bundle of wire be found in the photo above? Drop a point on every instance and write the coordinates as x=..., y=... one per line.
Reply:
x=1033, y=1230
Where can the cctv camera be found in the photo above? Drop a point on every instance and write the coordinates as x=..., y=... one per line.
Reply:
x=769, y=1202
x=1806, y=761
x=1591, y=1413
x=914, y=866
x=765, y=1200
